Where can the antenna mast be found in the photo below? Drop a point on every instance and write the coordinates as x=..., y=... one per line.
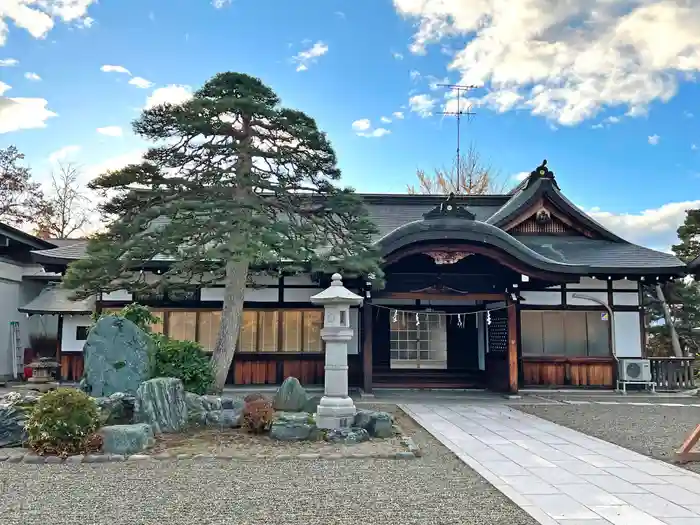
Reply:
x=460, y=89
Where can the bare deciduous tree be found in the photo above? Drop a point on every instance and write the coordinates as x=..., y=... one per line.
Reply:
x=472, y=177
x=20, y=198
x=65, y=212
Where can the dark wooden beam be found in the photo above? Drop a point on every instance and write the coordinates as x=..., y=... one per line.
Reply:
x=513, y=337
x=367, y=347
x=444, y=297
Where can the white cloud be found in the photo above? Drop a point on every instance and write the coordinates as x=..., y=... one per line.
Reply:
x=414, y=74
x=653, y=139
x=172, y=94
x=111, y=131
x=65, y=153
x=37, y=17
x=115, y=69
x=22, y=113
x=422, y=104
x=310, y=56
x=114, y=163
x=219, y=4
x=693, y=147
x=379, y=132
x=140, y=82
x=397, y=56
x=565, y=61
x=613, y=120
x=8, y=62
x=654, y=228
x=398, y=115
x=386, y=120
x=361, y=125
x=521, y=176
x=32, y=76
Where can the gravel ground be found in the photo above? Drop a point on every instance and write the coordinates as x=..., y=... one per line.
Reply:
x=655, y=431
x=436, y=488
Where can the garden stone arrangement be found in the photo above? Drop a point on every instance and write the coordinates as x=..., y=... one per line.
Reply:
x=130, y=425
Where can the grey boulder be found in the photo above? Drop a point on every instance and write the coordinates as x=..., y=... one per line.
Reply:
x=377, y=424
x=126, y=439
x=160, y=402
x=14, y=412
x=347, y=436
x=226, y=418
x=290, y=396
x=284, y=430
x=117, y=409
x=116, y=356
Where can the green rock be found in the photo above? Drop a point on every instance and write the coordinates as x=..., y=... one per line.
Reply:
x=290, y=397
x=312, y=403
x=117, y=409
x=196, y=409
x=160, y=402
x=378, y=424
x=347, y=436
x=126, y=439
x=285, y=430
x=116, y=356
x=14, y=412
x=295, y=417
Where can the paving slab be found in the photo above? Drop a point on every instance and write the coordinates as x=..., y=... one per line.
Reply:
x=560, y=476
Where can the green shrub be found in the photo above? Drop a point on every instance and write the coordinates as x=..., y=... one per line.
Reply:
x=184, y=360
x=138, y=314
x=62, y=422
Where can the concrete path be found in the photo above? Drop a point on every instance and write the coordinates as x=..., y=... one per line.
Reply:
x=560, y=476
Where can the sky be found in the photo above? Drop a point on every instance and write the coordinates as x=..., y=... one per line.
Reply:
x=605, y=90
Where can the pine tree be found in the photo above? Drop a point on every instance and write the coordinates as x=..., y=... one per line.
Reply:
x=682, y=297
x=235, y=184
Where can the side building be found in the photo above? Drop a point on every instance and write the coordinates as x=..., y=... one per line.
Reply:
x=493, y=291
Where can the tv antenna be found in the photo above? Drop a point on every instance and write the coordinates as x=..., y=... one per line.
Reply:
x=460, y=89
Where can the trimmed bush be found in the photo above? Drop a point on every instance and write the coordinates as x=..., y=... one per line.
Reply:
x=184, y=360
x=257, y=416
x=63, y=422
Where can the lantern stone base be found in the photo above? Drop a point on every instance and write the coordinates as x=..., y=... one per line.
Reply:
x=335, y=413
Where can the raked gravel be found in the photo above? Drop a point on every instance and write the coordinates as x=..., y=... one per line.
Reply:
x=656, y=431
x=436, y=488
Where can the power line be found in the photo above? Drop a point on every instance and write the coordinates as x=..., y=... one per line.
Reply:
x=459, y=88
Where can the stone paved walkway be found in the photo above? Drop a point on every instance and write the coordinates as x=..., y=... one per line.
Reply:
x=560, y=476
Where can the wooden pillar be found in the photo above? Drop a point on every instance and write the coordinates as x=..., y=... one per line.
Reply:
x=513, y=348
x=367, y=347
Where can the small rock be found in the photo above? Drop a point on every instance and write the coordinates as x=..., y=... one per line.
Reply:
x=33, y=458
x=228, y=403
x=15, y=458
x=162, y=456
x=290, y=396
x=117, y=458
x=309, y=456
x=96, y=458
x=405, y=455
x=348, y=436
x=54, y=460
x=285, y=430
x=138, y=457
x=184, y=456
x=197, y=407
x=378, y=424
x=126, y=439
x=225, y=418
x=211, y=403
x=75, y=459
x=295, y=417
x=3, y=457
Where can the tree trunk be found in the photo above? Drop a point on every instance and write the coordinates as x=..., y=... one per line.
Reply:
x=675, y=343
x=234, y=294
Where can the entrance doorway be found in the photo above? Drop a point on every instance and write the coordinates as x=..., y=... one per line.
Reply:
x=418, y=341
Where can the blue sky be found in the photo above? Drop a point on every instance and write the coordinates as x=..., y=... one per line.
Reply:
x=616, y=115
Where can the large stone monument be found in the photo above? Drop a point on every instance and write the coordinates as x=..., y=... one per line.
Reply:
x=336, y=409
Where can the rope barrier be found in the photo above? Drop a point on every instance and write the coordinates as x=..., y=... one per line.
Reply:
x=460, y=316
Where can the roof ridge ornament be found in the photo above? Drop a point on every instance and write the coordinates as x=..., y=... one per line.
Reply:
x=542, y=172
x=449, y=208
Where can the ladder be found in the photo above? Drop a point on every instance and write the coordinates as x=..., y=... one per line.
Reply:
x=17, y=350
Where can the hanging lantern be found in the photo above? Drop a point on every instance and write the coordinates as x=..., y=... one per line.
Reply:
x=395, y=317
x=417, y=320
x=488, y=317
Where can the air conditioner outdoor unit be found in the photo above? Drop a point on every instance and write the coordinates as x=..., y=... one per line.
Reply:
x=635, y=370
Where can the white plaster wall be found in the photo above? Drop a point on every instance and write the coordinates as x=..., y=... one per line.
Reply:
x=589, y=283
x=69, y=343
x=625, y=299
x=300, y=280
x=9, y=294
x=548, y=298
x=601, y=296
x=628, y=337
x=300, y=295
x=625, y=284
x=261, y=295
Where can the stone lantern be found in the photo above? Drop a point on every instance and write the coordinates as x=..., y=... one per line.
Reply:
x=336, y=409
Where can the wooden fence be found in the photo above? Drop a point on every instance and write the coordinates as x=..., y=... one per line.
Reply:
x=673, y=373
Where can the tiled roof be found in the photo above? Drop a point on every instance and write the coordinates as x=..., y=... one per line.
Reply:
x=56, y=300
x=390, y=212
